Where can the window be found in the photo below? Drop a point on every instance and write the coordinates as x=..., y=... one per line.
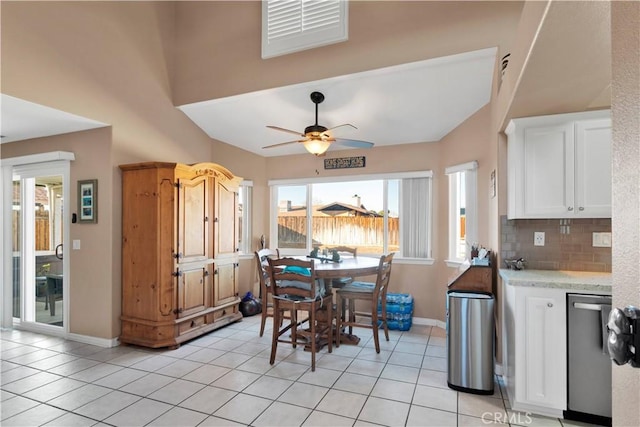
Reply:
x=377, y=215
x=244, y=213
x=293, y=25
x=463, y=209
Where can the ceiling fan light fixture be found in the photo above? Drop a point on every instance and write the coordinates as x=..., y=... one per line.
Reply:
x=317, y=146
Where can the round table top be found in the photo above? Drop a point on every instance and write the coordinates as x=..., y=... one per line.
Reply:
x=348, y=267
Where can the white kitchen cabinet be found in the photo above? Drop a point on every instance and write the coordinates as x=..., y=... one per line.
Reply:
x=534, y=356
x=559, y=166
x=541, y=348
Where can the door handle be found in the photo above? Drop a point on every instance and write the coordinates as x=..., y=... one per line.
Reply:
x=588, y=306
x=59, y=251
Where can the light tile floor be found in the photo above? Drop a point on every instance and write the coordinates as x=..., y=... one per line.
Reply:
x=224, y=378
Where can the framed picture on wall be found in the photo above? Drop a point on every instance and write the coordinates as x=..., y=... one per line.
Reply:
x=88, y=201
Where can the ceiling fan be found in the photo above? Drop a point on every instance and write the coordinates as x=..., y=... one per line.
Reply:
x=316, y=138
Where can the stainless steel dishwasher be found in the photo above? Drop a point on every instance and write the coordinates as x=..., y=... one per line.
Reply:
x=588, y=362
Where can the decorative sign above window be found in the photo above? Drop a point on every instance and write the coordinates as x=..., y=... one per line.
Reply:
x=344, y=162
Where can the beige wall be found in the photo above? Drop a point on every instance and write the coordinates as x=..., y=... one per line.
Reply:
x=218, y=50
x=625, y=25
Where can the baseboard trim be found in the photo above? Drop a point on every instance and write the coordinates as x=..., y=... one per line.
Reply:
x=428, y=322
x=100, y=342
x=60, y=332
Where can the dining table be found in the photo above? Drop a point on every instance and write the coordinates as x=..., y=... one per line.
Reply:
x=328, y=269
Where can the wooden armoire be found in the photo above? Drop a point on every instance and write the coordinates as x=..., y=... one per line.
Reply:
x=179, y=251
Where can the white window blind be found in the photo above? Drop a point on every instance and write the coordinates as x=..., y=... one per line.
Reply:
x=415, y=214
x=293, y=25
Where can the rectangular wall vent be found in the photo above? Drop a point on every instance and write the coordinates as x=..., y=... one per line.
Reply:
x=294, y=25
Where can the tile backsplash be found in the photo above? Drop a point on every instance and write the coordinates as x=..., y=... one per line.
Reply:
x=568, y=243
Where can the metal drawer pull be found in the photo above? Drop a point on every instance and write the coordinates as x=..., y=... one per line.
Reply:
x=587, y=306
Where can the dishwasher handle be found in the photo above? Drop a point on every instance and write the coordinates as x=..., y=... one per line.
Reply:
x=589, y=306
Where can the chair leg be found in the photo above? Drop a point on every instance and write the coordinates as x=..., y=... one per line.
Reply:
x=384, y=325
x=330, y=326
x=276, y=332
x=339, y=309
x=312, y=320
x=294, y=327
x=384, y=319
x=352, y=314
x=265, y=308
x=374, y=325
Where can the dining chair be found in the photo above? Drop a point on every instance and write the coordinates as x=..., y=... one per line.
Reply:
x=296, y=288
x=374, y=294
x=265, y=282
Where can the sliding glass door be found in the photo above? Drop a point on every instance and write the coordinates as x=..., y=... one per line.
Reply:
x=38, y=242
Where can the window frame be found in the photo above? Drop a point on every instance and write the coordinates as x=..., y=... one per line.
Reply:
x=246, y=200
x=273, y=207
x=470, y=170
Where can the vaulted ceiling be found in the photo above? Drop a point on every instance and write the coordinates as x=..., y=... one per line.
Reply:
x=566, y=69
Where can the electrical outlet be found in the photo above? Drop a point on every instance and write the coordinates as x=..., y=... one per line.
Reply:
x=601, y=240
x=538, y=238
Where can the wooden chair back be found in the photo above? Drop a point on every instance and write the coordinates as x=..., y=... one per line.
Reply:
x=265, y=282
x=294, y=278
x=382, y=279
x=261, y=261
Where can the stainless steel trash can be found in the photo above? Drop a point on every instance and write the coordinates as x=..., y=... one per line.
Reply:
x=470, y=341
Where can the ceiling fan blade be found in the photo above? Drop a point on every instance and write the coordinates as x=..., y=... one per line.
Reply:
x=286, y=130
x=354, y=143
x=339, y=126
x=283, y=143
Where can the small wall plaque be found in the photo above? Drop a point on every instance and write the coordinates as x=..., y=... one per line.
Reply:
x=345, y=162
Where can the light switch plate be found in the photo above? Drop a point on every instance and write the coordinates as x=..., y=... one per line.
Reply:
x=538, y=238
x=76, y=244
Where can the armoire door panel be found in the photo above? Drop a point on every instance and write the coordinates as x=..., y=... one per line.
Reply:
x=225, y=282
x=226, y=221
x=193, y=219
x=193, y=290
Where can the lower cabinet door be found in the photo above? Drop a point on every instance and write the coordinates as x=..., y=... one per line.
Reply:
x=194, y=289
x=542, y=355
x=225, y=282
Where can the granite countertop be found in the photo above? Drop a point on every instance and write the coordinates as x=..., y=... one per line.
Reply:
x=578, y=280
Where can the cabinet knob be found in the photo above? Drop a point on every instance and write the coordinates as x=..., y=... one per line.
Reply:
x=570, y=208
x=549, y=304
x=581, y=208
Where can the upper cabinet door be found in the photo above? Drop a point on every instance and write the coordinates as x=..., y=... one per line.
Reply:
x=548, y=170
x=226, y=221
x=193, y=219
x=593, y=168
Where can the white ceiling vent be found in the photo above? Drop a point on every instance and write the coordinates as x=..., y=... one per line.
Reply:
x=294, y=25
